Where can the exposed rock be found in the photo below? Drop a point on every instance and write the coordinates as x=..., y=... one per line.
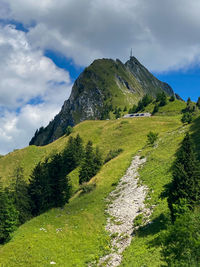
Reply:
x=125, y=203
x=102, y=85
x=150, y=84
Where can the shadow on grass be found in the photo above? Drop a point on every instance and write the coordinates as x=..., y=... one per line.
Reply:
x=157, y=225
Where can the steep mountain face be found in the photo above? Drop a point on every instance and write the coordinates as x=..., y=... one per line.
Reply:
x=150, y=84
x=102, y=86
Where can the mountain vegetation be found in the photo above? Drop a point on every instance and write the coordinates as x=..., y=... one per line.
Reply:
x=53, y=197
x=101, y=89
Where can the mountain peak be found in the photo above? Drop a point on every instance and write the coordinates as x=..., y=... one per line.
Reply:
x=105, y=84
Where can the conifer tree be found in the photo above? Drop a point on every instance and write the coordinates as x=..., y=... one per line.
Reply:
x=91, y=164
x=198, y=102
x=156, y=108
x=20, y=195
x=185, y=186
x=98, y=161
x=163, y=99
x=79, y=150
x=8, y=215
x=40, y=188
x=87, y=168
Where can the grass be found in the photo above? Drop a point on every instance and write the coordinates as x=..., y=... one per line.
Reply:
x=156, y=174
x=83, y=237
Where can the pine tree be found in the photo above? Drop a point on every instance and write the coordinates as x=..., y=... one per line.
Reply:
x=20, y=195
x=98, y=161
x=198, y=102
x=79, y=150
x=91, y=165
x=163, y=99
x=172, y=98
x=87, y=168
x=185, y=186
x=189, y=101
x=8, y=215
x=40, y=188
x=156, y=108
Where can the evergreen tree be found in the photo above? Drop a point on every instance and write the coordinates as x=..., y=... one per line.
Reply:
x=163, y=99
x=98, y=161
x=185, y=186
x=156, y=108
x=125, y=108
x=172, y=98
x=8, y=215
x=69, y=130
x=60, y=187
x=91, y=164
x=69, y=158
x=20, y=195
x=186, y=118
x=140, y=106
x=189, y=101
x=79, y=150
x=133, y=109
x=40, y=188
x=87, y=168
x=181, y=241
x=73, y=154
x=146, y=100
x=198, y=102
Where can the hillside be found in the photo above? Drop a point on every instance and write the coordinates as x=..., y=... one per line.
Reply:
x=75, y=235
x=101, y=87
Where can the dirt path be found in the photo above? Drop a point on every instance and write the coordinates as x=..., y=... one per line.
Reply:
x=124, y=204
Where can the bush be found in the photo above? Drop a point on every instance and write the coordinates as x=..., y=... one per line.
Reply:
x=138, y=221
x=181, y=241
x=172, y=98
x=156, y=108
x=112, y=154
x=152, y=137
x=186, y=118
x=69, y=130
x=87, y=188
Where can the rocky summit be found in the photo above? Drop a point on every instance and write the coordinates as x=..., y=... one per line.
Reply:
x=101, y=87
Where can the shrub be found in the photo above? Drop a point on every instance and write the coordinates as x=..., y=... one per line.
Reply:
x=138, y=221
x=156, y=108
x=152, y=137
x=172, y=98
x=69, y=130
x=112, y=154
x=186, y=118
x=87, y=188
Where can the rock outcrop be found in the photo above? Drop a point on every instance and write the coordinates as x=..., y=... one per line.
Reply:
x=102, y=86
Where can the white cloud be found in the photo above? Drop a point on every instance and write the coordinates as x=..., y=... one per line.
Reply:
x=164, y=35
x=26, y=75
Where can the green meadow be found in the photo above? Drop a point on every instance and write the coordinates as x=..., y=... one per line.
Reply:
x=75, y=235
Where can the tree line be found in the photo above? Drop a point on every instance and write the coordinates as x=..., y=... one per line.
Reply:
x=49, y=185
x=181, y=241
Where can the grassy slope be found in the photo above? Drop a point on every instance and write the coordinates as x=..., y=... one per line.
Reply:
x=83, y=237
x=172, y=108
x=105, y=69
x=145, y=247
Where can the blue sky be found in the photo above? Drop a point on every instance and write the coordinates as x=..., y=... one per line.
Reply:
x=44, y=46
x=186, y=83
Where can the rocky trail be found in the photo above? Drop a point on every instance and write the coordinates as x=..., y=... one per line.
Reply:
x=125, y=203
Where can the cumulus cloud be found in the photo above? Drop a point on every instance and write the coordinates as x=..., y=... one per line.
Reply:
x=32, y=89
x=164, y=35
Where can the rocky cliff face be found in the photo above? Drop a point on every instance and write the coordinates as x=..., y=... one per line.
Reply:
x=150, y=84
x=105, y=84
